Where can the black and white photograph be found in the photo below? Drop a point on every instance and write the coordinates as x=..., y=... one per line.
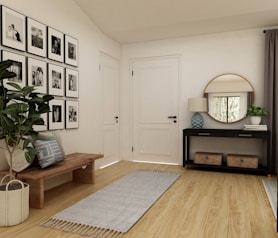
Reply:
x=18, y=67
x=72, y=113
x=37, y=75
x=55, y=45
x=56, y=80
x=36, y=37
x=13, y=29
x=72, y=82
x=71, y=51
x=56, y=116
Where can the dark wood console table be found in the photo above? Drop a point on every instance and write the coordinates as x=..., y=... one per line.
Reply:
x=264, y=135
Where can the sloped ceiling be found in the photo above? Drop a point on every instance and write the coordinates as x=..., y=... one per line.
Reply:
x=129, y=21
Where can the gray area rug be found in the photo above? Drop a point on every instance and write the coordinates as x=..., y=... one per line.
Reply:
x=271, y=191
x=113, y=210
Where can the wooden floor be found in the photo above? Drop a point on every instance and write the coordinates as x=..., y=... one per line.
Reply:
x=200, y=204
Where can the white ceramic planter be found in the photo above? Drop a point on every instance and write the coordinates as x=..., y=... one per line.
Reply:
x=14, y=204
x=255, y=120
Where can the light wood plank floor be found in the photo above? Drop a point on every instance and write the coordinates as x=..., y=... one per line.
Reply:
x=200, y=204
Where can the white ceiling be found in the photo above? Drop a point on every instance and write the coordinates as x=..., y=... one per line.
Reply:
x=128, y=21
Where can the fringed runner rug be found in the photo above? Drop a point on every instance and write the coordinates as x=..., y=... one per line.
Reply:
x=113, y=210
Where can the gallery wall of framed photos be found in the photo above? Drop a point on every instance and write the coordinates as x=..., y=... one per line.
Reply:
x=46, y=58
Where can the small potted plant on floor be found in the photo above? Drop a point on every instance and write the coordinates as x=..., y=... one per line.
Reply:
x=255, y=113
x=20, y=110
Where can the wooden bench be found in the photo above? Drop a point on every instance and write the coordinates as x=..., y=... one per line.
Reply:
x=82, y=166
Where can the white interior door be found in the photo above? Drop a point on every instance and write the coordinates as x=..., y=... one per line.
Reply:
x=110, y=79
x=155, y=86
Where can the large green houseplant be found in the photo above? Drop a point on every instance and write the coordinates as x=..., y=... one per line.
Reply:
x=20, y=109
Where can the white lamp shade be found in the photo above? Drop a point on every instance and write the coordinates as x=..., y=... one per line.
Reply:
x=197, y=104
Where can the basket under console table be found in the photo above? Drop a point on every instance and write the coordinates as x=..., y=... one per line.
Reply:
x=267, y=168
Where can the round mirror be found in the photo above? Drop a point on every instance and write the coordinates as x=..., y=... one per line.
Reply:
x=229, y=96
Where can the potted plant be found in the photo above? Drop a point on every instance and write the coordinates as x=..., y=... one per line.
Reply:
x=255, y=113
x=20, y=110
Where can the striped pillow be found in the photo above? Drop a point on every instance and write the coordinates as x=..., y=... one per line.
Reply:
x=48, y=152
x=49, y=135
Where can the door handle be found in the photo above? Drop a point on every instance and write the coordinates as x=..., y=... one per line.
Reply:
x=172, y=117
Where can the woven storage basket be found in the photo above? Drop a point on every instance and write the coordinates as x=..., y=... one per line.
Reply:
x=243, y=161
x=208, y=158
x=14, y=204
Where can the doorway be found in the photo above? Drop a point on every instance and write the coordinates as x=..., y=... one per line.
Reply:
x=155, y=103
x=109, y=83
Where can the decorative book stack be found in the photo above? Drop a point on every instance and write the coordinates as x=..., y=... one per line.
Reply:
x=255, y=127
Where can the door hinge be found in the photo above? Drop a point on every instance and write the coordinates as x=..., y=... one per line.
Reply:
x=132, y=148
x=99, y=67
x=132, y=72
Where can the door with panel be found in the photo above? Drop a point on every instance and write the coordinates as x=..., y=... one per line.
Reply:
x=109, y=83
x=155, y=97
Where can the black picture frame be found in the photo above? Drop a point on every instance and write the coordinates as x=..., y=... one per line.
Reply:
x=37, y=75
x=56, y=116
x=13, y=29
x=71, y=51
x=55, y=49
x=56, y=80
x=72, y=114
x=18, y=67
x=72, y=83
x=36, y=37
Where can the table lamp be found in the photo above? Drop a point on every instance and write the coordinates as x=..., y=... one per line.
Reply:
x=197, y=105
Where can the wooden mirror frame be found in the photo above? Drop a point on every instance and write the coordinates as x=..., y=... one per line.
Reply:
x=229, y=91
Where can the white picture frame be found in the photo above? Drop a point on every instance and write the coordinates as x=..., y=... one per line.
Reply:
x=56, y=80
x=56, y=116
x=55, y=45
x=13, y=29
x=72, y=114
x=37, y=75
x=18, y=67
x=36, y=37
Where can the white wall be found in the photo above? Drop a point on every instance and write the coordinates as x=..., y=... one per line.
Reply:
x=66, y=16
x=203, y=58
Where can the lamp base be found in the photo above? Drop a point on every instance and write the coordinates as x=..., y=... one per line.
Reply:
x=197, y=121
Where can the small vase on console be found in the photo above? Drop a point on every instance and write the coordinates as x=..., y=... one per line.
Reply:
x=255, y=120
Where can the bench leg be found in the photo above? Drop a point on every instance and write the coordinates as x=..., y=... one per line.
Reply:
x=36, y=197
x=86, y=175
